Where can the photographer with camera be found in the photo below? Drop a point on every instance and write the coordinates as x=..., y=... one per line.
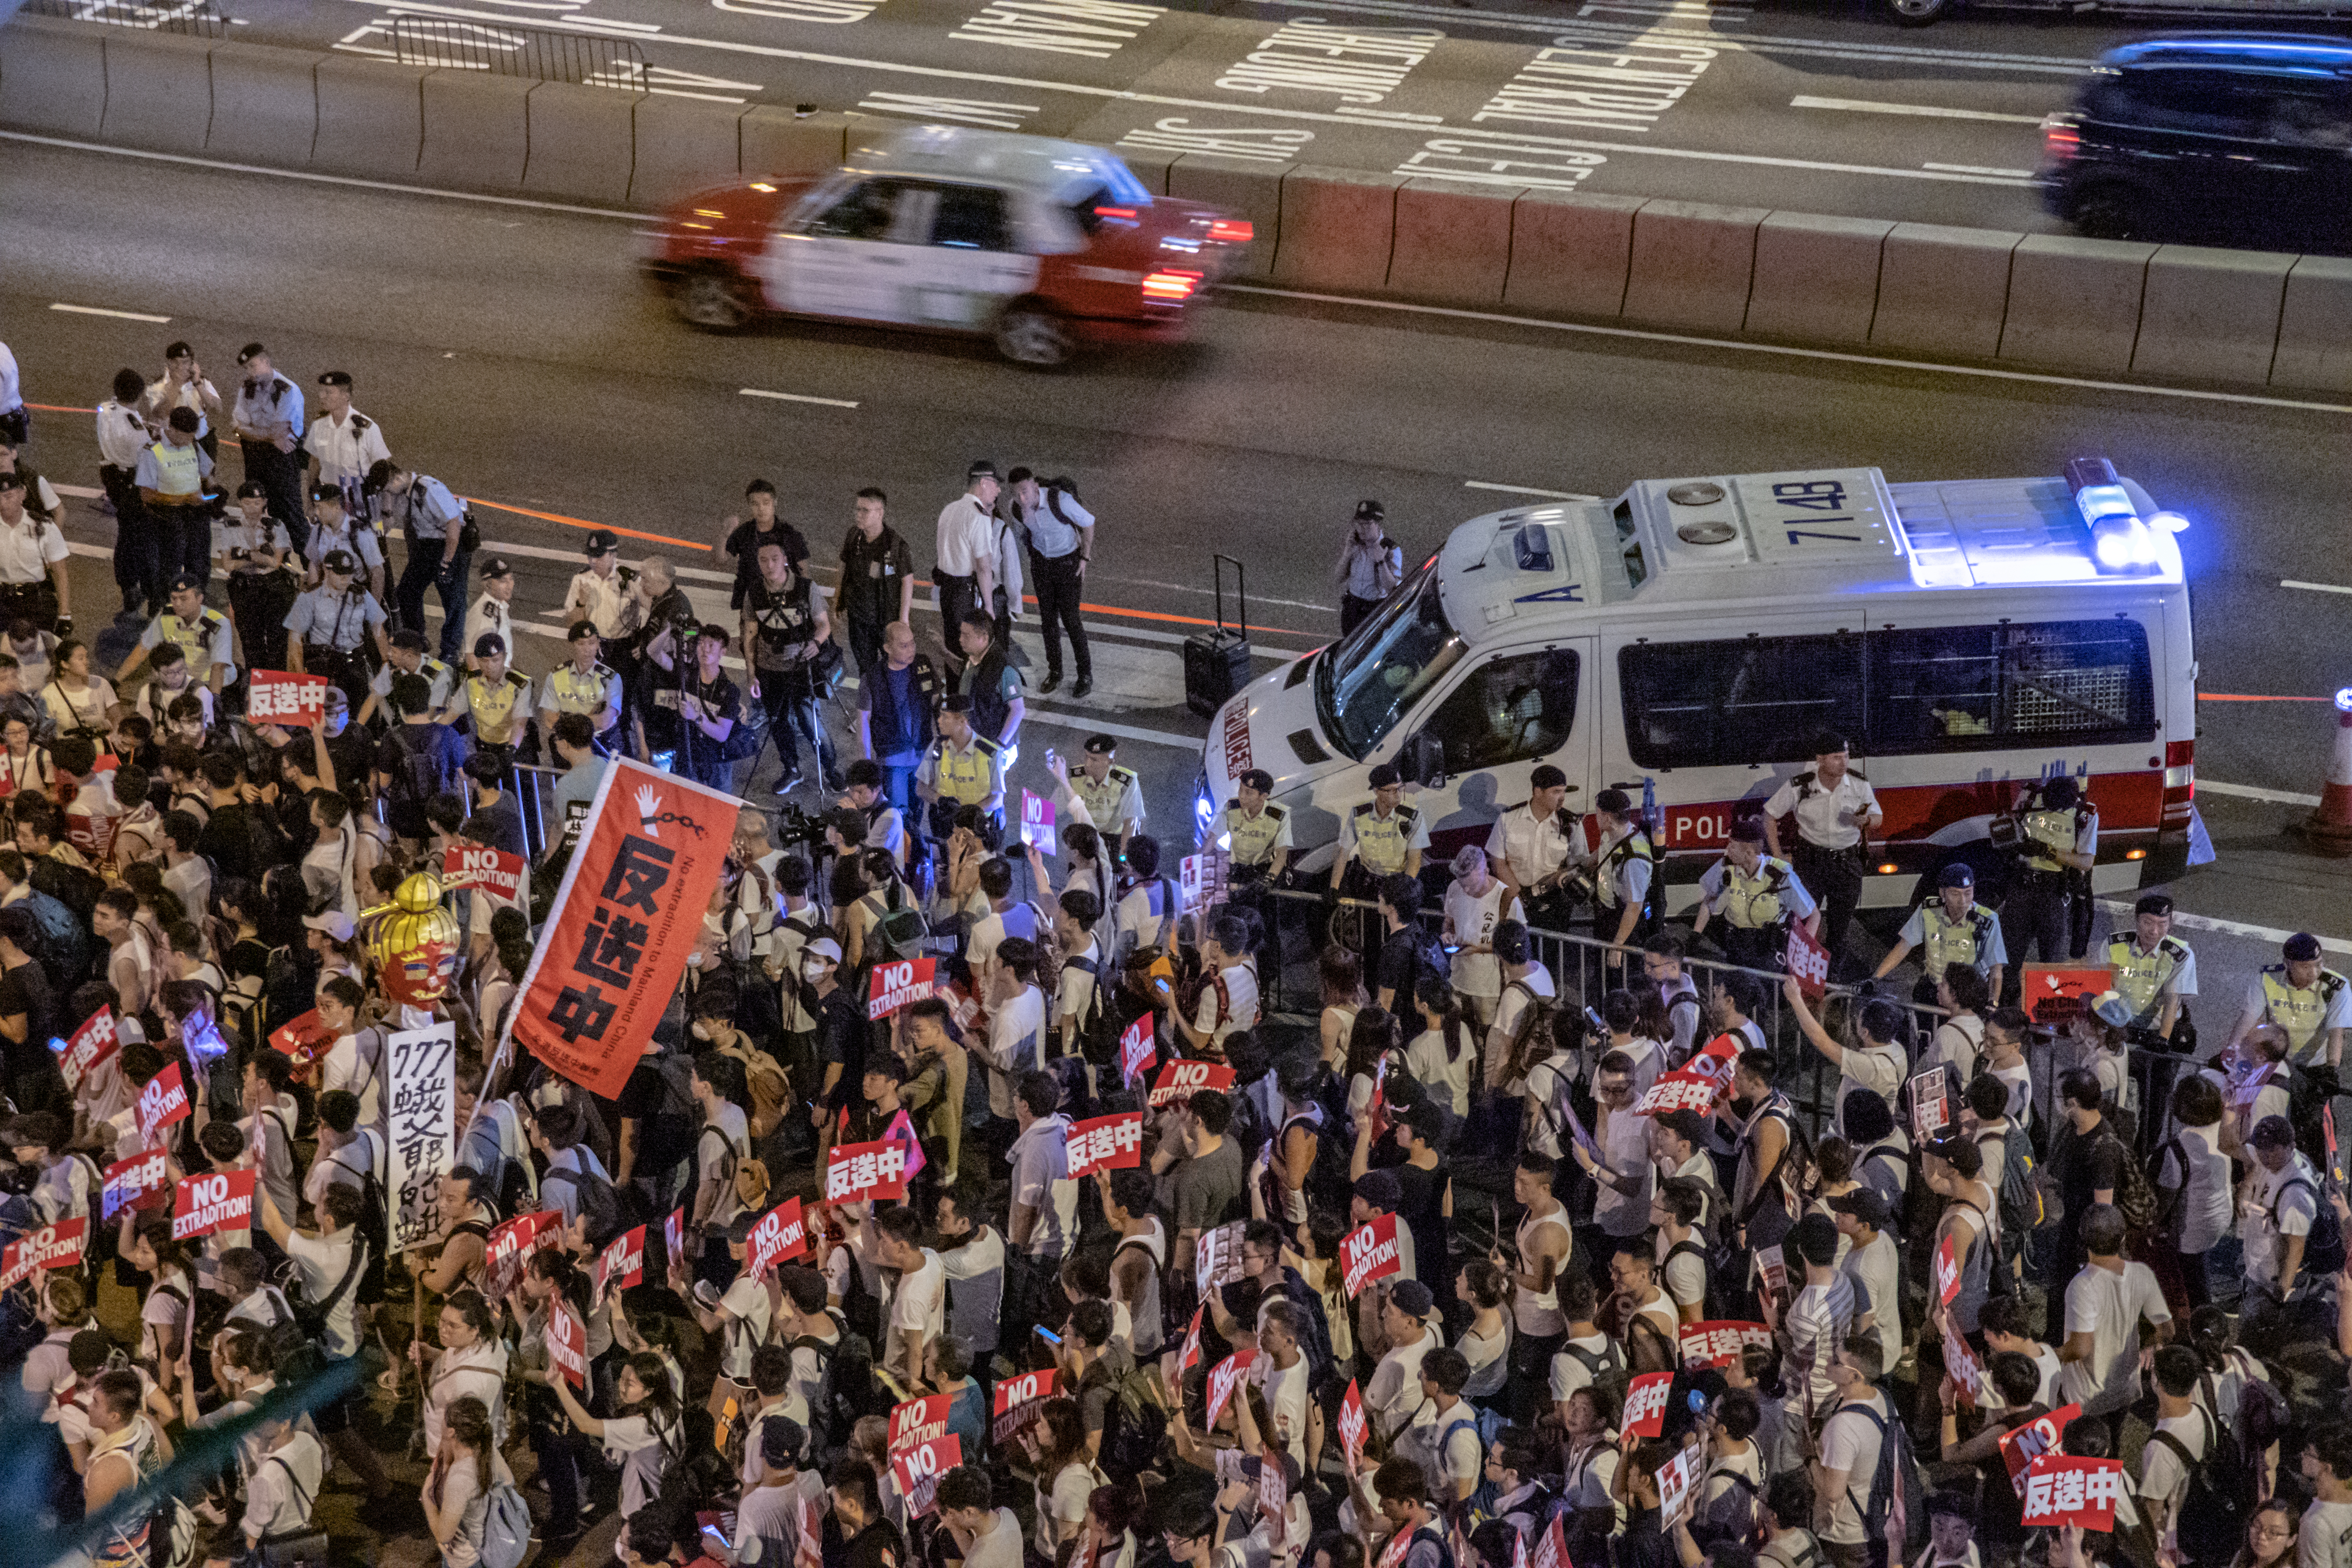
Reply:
x=2056, y=843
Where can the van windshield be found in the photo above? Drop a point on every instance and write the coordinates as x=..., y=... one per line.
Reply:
x=1378, y=673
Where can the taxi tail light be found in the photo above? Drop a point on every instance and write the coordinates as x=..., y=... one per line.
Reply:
x=1232, y=231
x=2180, y=783
x=1170, y=285
x=2060, y=139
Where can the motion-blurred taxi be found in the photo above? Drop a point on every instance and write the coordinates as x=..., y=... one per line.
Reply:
x=1038, y=244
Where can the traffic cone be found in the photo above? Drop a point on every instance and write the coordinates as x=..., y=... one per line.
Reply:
x=2329, y=828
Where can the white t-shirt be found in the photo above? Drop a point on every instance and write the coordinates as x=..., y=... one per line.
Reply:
x=323, y=1260
x=1017, y=1043
x=1473, y=922
x=1000, y=1548
x=2323, y=1539
x=1850, y=1443
x=1819, y=1321
x=1876, y=1271
x=2285, y=1203
x=2109, y=1306
x=1424, y=1057
x=747, y=1300
x=920, y=1305
x=1041, y=1181
x=2163, y=1479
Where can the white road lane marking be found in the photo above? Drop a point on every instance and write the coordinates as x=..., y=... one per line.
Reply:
x=1932, y=111
x=930, y=106
x=1881, y=361
x=118, y=315
x=2314, y=587
x=1090, y=722
x=2247, y=792
x=1526, y=490
x=2229, y=927
x=797, y=397
x=2013, y=177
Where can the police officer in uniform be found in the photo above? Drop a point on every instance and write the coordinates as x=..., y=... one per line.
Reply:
x=333, y=527
x=1531, y=849
x=201, y=632
x=497, y=700
x=33, y=554
x=433, y=523
x=599, y=591
x=585, y=685
x=1950, y=927
x=962, y=768
x=1835, y=810
x=406, y=655
x=268, y=419
x=344, y=445
x=1624, y=875
x=2154, y=969
x=1256, y=831
x=2058, y=843
x=258, y=553
x=330, y=626
x=2312, y=1004
x=1380, y=839
x=1112, y=794
x=493, y=612
x=1757, y=895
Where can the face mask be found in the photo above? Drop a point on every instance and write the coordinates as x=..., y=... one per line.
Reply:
x=694, y=960
x=815, y=970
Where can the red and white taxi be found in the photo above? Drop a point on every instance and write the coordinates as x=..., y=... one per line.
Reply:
x=1043, y=244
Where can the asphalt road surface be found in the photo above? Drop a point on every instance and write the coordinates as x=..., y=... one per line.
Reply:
x=1808, y=107
x=512, y=351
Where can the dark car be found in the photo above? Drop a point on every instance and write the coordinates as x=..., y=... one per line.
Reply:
x=2233, y=138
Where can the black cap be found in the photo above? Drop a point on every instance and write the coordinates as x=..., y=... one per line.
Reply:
x=496, y=566
x=2301, y=948
x=1385, y=775
x=2153, y=904
x=488, y=643
x=186, y=579
x=581, y=629
x=1866, y=1204
x=1955, y=875
x=1101, y=745
x=1257, y=779
x=379, y=475
x=11, y=481
x=1409, y=1296
x=955, y=702
x=340, y=561
x=1372, y=509
x=252, y=490
x=1615, y=801
x=335, y=378
x=981, y=469
x=601, y=541
x=251, y=352
x=328, y=492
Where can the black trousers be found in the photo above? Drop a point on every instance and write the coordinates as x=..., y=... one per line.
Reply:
x=1352, y=609
x=279, y=474
x=1058, y=586
x=793, y=717
x=134, y=539
x=1834, y=878
x=2035, y=920
x=959, y=596
x=864, y=640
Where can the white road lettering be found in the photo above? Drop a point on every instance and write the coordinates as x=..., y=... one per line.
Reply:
x=1272, y=144
x=1486, y=163
x=832, y=13
x=1930, y=111
x=1606, y=89
x=930, y=106
x=1356, y=65
x=1095, y=28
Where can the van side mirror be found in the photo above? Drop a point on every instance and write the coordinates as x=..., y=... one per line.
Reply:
x=1422, y=761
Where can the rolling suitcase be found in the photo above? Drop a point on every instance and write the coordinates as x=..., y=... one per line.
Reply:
x=1217, y=663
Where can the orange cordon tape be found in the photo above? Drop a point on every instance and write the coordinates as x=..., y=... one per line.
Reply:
x=2233, y=697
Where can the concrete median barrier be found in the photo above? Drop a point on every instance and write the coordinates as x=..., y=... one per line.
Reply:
x=1570, y=252
x=684, y=145
x=583, y=143
x=264, y=106
x=476, y=130
x=1246, y=189
x=159, y=90
x=2074, y=303
x=778, y=141
x=2210, y=315
x=1693, y=264
x=1942, y=289
x=1452, y=242
x=1152, y=168
x=370, y=118
x=1339, y=227
x=53, y=76
x=2314, y=331
x=1816, y=278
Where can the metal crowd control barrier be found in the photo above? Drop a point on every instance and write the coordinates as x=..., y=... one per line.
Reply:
x=1581, y=976
x=582, y=60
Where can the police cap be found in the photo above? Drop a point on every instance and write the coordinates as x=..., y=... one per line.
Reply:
x=1615, y=801
x=1546, y=776
x=1371, y=510
x=2153, y=904
x=2061, y=793
x=489, y=645
x=2301, y=948
x=496, y=566
x=1955, y=875
x=379, y=475
x=252, y=490
x=1748, y=830
x=328, y=492
x=1257, y=779
x=981, y=469
x=955, y=702
x=340, y=561
x=602, y=541
x=11, y=481
x=186, y=579
x=1101, y=745
x=581, y=629
x=1385, y=776
x=335, y=378
x=251, y=352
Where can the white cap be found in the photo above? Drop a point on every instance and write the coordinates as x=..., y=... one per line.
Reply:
x=334, y=922
x=823, y=947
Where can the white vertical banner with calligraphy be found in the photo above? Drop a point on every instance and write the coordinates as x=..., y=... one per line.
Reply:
x=422, y=1115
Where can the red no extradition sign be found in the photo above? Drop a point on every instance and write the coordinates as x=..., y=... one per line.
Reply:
x=918, y=1471
x=622, y=1264
x=275, y=697
x=901, y=984
x=628, y=912
x=57, y=1246
x=781, y=1235
x=1221, y=1378
x=1183, y=1079
x=1018, y=1400
x=567, y=1341
x=163, y=1101
x=509, y=1247
x=1136, y=1048
x=1351, y=1427
x=1105, y=1143
x=204, y=1206
x=1370, y=1253
x=1806, y=961
x=480, y=865
x=919, y=1420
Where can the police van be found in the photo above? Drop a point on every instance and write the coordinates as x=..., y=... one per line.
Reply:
x=1688, y=639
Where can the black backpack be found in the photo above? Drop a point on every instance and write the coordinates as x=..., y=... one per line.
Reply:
x=374, y=1233
x=1135, y=1426
x=851, y=1389
x=1097, y=1033
x=1607, y=1368
x=2323, y=1250
x=598, y=1202
x=1898, y=1473
x=2211, y=1522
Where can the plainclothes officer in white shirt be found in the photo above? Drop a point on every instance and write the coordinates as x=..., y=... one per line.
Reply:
x=183, y=385
x=1370, y=565
x=1379, y=838
x=122, y=438
x=583, y=684
x=2311, y=1004
x=963, y=565
x=1950, y=927
x=1112, y=794
x=2058, y=843
x=201, y=632
x=269, y=423
x=600, y=589
x=493, y=611
x=33, y=553
x=1757, y=895
x=432, y=521
x=2154, y=969
x=1532, y=848
x=1836, y=810
x=343, y=443
x=333, y=528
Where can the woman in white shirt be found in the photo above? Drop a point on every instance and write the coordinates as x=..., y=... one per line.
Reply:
x=329, y=867
x=642, y=1436
x=471, y=1364
x=1445, y=1054
x=24, y=765
x=1485, y=1344
x=163, y=1316
x=79, y=703
x=1055, y=1444
x=1342, y=975
x=465, y=1465
x=1371, y=1040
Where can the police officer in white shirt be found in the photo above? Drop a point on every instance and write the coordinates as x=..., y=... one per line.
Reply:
x=1532, y=848
x=493, y=611
x=122, y=436
x=268, y=419
x=1112, y=794
x=1370, y=567
x=33, y=554
x=183, y=385
x=1835, y=810
x=1061, y=544
x=332, y=527
x=963, y=562
x=599, y=590
x=434, y=523
x=344, y=444
x=1379, y=838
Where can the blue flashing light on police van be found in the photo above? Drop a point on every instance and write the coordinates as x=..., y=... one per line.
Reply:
x=2120, y=539
x=2344, y=700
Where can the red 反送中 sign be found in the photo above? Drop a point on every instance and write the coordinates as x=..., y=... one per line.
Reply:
x=856, y=1172
x=2021, y=1447
x=1717, y=1342
x=93, y=1043
x=1105, y=1143
x=137, y=1183
x=275, y=697
x=2063, y=1490
x=1645, y=1406
x=1806, y=961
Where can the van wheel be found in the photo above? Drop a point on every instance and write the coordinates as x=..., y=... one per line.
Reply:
x=1920, y=13
x=716, y=299
x=1030, y=332
x=2110, y=212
